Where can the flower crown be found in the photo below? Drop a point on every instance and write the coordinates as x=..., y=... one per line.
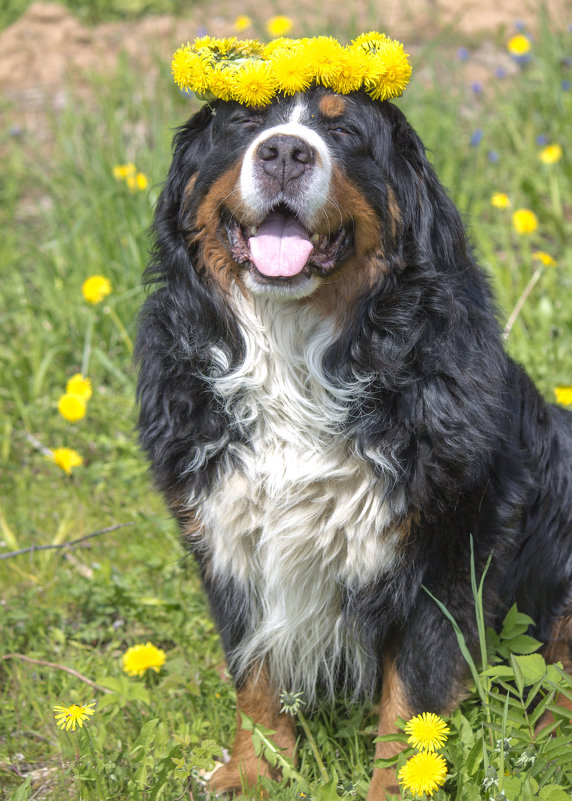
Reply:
x=253, y=73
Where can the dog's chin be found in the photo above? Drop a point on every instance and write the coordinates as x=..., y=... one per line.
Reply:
x=300, y=286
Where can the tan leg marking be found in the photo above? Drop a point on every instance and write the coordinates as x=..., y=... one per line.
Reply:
x=559, y=649
x=393, y=705
x=259, y=700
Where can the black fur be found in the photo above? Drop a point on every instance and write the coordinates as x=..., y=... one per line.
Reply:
x=476, y=449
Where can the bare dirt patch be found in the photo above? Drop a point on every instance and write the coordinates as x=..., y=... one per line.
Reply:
x=48, y=46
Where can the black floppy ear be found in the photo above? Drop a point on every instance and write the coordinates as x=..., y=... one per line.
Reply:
x=432, y=225
x=191, y=146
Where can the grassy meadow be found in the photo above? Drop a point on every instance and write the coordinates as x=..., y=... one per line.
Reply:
x=68, y=615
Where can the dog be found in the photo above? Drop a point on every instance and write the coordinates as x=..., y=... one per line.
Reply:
x=330, y=414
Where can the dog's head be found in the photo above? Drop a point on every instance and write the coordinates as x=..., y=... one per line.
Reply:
x=313, y=194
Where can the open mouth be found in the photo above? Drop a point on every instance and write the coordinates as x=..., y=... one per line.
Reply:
x=280, y=249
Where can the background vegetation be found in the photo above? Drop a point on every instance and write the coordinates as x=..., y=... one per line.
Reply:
x=65, y=216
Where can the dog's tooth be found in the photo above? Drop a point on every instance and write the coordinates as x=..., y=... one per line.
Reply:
x=315, y=238
x=253, y=230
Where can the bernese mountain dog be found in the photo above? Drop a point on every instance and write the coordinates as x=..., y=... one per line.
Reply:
x=331, y=416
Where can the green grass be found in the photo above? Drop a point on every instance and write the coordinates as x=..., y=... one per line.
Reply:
x=64, y=217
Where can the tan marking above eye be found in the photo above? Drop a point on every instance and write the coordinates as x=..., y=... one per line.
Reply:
x=332, y=106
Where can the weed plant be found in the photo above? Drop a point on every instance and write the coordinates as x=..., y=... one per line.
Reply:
x=69, y=614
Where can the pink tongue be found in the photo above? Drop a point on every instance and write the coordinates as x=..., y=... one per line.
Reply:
x=281, y=247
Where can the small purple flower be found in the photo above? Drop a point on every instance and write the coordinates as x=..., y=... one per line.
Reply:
x=202, y=31
x=462, y=54
x=519, y=25
x=500, y=72
x=522, y=61
x=493, y=156
x=477, y=137
x=477, y=87
x=565, y=86
x=541, y=140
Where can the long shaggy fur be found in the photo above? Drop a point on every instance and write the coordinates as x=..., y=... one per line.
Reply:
x=330, y=448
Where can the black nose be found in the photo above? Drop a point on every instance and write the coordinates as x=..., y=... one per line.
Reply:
x=285, y=157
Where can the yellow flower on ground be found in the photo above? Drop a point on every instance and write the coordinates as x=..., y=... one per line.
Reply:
x=68, y=717
x=138, y=659
x=518, y=45
x=72, y=407
x=427, y=731
x=563, y=395
x=78, y=385
x=253, y=84
x=122, y=171
x=499, y=200
x=67, y=459
x=550, y=154
x=96, y=288
x=137, y=182
x=524, y=221
x=279, y=25
x=423, y=773
x=545, y=258
x=241, y=23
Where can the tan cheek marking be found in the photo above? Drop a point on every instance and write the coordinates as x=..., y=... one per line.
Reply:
x=332, y=106
x=258, y=699
x=215, y=260
x=339, y=292
x=394, y=212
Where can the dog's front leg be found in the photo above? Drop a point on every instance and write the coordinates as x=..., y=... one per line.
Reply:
x=393, y=705
x=258, y=699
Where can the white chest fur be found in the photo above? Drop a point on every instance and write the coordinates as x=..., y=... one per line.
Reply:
x=303, y=519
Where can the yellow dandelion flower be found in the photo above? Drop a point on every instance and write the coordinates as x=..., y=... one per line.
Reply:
x=499, y=200
x=524, y=221
x=68, y=717
x=72, y=407
x=279, y=25
x=66, y=459
x=518, y=45
x=388, y=71
x=79, y=385
x=96, y=288
x=324, y=53
x=137, y=182
x=544, y=258
x=369, y=41
x=350, y=71
x=253, y=84
x=225, y=46
x=220, y=83
x=427, y=731
x=563, y=395
x=190, y=69
x=423, y=773
x=138, y=659
x=550, y=154
x=123, y=171
x=292, y=70
x=241, y=23
x=283, y=43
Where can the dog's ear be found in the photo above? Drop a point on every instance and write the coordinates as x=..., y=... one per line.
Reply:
x=432, y=225
x=191, y=145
